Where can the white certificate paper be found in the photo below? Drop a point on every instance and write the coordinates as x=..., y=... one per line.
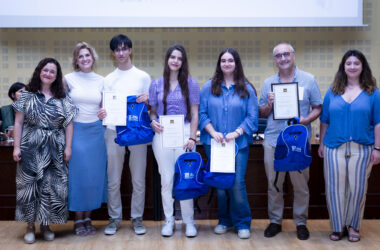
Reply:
x=116, y=107
x=222, y=157
x=286, y=98
x=173, y=133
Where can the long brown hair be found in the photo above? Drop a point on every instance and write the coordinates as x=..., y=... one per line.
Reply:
x=183, y=78
x=366, y=80
x=56, y=87
x=239, y=77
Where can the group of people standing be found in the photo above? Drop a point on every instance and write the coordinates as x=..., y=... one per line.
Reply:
x=58, y=123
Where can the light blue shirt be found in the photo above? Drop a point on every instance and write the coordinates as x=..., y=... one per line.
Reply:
x=311, y=96
x=353, y=121
x=227, y=112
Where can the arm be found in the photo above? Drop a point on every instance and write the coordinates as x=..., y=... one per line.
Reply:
x=65, y=85
x=250, y=122
x=19, y=121
x=142, y=98
x=193, y=127
x=69, y=139
x=214, y=134
x=375, y=157
x=266, y=109
x=156, y=126
x=322, y=131
x=314, y=114
x=204, y=119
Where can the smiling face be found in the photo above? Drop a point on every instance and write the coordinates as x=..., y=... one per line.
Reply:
x=122, y=54
x=175, y=61
x=85, y=60
x=353, y=67
x=227, y=64
x=284, y=57
x=48, y=74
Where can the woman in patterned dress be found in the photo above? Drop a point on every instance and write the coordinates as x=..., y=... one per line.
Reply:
x=42, y=146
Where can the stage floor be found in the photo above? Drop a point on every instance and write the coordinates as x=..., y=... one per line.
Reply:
x=11, y=237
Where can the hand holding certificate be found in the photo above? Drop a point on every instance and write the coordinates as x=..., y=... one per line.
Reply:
x=222, y=157
x=285, y=105
x=116, y=108
x=173, y=131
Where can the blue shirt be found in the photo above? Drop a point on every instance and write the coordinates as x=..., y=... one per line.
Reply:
x=309, y=95
x=353, y=121
x=227, y=112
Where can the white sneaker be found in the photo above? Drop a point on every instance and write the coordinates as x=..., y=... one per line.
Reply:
x=112, y=227
x=30, y=238
x=168, y=228
x=191, y=230
x=244, y=233
x=221, y=229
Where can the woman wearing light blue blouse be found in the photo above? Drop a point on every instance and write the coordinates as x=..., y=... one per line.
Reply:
x=87, y=166
x=350, y=136
x=228, y=110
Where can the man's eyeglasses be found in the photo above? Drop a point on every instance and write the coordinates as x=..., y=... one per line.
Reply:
x=285, y=54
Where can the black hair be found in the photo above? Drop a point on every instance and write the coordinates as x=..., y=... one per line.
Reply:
x=14, y=88
x=118, y=40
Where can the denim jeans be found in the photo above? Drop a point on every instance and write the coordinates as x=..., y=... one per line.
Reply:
x=233, y=207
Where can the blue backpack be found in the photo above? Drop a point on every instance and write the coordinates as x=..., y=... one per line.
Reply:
x=292, y=150
x=188, y=177
x=138, y=130
x=219, y=180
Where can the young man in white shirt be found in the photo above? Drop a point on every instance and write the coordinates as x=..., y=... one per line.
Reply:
x=128, y=80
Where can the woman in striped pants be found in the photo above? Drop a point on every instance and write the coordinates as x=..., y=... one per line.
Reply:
x=350, y=143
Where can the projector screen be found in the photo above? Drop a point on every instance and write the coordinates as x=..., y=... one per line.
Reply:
x=180, y=13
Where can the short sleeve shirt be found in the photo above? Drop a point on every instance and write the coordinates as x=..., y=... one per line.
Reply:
x=309, y=95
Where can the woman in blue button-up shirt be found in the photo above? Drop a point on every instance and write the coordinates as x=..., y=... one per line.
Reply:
x=228, y=110
x=350, y=142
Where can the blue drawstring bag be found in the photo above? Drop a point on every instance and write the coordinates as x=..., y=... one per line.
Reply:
x=188, y=177
x=138, y=130
x=292, y=150
x=219, y=180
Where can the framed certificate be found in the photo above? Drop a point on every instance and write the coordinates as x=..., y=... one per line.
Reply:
x=173, y=132
x=222, y=157
x=116, y=108
x=286, y=101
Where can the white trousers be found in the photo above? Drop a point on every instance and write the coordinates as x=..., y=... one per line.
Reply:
x=166, y=159
x=137, y=166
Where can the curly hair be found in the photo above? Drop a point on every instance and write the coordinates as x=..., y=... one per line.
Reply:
x=239, y=77
x=366, y=80
x=56, y=87
x=183, y=76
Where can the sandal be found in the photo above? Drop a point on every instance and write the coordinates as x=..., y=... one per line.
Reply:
x=353, y=235
x=89, y=227
x=336, y=236
x=79, y=228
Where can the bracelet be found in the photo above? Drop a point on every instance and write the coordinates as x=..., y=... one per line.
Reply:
x=239, y=131
x=376, y=148
x=192, y=139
